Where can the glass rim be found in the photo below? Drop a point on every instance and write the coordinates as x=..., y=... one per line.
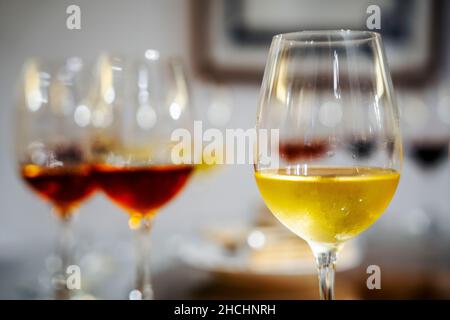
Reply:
x=311, y=37
x=147, y=55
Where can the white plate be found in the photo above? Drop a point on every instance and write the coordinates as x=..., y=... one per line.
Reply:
x=203, y=254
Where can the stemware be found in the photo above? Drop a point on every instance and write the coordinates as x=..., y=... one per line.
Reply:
x=321, y=92
x=426, y=127
x=213, y=109
x=136, y=104
x=52, y=150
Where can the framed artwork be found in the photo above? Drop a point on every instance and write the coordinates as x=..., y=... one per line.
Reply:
x=230, y=38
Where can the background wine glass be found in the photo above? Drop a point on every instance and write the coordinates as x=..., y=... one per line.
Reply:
x=52, y=150
x=426, y=127
x=136, y=105
x=324, y=90
x=213, y=106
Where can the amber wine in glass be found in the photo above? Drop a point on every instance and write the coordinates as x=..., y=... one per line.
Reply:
x=132, y=142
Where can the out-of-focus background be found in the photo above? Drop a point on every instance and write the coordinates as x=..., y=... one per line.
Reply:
x=217, y=240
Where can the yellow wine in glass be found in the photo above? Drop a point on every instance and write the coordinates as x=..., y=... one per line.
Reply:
x=327, y=204
x=209, y=162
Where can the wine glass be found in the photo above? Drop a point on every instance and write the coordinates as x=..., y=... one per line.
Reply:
x=52, y=150
x=213, y=108
x=426, y=128
x=321, y=88
x=136, y=104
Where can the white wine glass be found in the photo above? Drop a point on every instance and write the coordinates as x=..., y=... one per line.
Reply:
x=321, y=91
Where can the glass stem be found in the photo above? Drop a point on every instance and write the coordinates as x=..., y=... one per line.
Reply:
x=65, y=256
x=326, y=263
x=143, y=247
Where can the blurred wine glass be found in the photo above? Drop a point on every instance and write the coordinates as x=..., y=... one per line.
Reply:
x=52, y=149
x=136, y=104
x=426, y=123
x=213, y=107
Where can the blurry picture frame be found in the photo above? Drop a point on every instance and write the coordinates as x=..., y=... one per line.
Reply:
x=230, y=38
